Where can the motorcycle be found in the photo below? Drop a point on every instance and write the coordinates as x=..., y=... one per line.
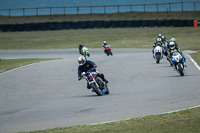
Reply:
x=107, y=50
x=96, y=83
x=85, y=52
x=158, y=54
x=178, y=63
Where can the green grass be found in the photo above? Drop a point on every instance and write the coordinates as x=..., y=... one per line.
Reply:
x=113, y=16
x=187, y=121
x=8, y=64
x=196, y=57
x=187, y=38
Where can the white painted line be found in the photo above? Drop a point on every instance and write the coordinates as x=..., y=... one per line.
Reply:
x=181, y=109
x=145, y=115
x=195, y=63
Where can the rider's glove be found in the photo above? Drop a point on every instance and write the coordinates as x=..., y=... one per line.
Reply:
x=79, y=78
x=95, y=66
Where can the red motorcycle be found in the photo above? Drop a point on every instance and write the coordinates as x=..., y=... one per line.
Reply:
x=108, y=51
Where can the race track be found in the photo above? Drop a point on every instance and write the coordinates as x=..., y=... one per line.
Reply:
x=48, y=94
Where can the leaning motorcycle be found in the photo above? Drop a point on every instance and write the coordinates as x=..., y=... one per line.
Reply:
x=85, y=52
x=178, y=63
x=107, y=50
x=96, y=83
x=158, y=54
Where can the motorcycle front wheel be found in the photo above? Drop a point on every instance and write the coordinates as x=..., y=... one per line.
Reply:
x=180, y=69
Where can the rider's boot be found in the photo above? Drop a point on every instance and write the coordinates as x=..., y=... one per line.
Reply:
x=105, y=80
x=88, y=86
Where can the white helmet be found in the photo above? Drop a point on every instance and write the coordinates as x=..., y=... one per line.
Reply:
x=159, y=35
x=159, y=40
x=81, y=60
x=104, y=42
x=172, y=40
x=172, y=45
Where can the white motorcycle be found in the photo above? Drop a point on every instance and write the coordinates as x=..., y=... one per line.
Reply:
x=158, y=53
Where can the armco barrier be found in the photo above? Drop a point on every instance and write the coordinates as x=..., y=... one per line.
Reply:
x=94, y=24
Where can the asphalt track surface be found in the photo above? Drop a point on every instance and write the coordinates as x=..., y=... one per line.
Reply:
x=48, y=94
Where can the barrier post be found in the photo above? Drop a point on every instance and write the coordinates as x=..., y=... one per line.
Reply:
x=195, y=23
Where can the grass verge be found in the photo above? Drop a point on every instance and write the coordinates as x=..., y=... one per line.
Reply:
x=187, y=38
x=8, y=64
x=196, y=57
x=186, y=121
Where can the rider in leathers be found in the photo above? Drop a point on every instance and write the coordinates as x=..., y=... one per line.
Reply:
x=174, y=48
x=86, y=65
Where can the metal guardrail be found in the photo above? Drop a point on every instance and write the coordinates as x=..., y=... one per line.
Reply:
x=90, y=9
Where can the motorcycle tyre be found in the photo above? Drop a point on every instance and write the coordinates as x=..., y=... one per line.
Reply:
x=158, y=59
x=96, y=89
x=180, y=69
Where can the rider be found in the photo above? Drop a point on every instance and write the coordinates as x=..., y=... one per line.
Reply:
x=174, y=40
x=158, y=42
x=174, y=48
x=104, y=45
x=86, y=65
x=83, y=49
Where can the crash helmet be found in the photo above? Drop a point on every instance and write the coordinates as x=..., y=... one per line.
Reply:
x=172, y=45
x=104, y=42
x=164, y=38
x=81, y=60
x=172, y=40
x=159, y=35
x=158, y=40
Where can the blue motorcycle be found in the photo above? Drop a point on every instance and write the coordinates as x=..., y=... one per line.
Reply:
x=178, y=63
